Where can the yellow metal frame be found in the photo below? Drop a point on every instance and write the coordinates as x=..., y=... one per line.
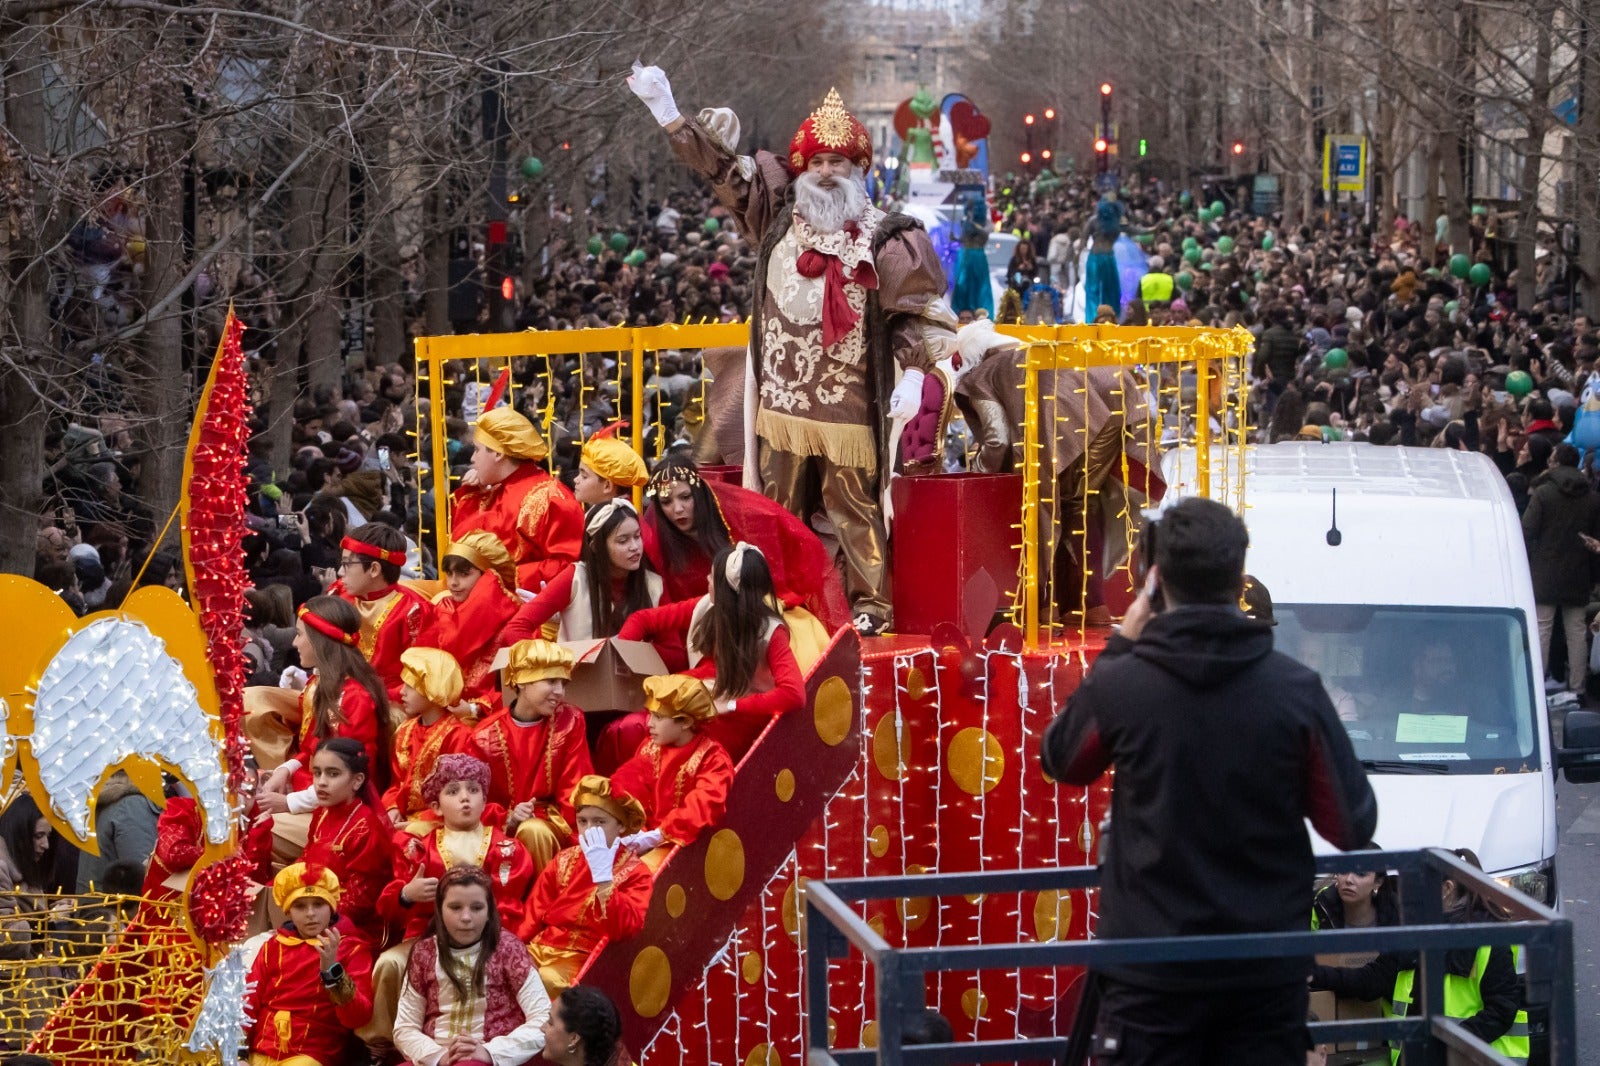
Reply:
x=433, y=352
x=1050, y=348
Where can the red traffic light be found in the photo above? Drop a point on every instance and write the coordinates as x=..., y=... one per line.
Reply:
x=1105, y=88
x=1049, y=114
x=1100, y=144
x=1027, y=157
x=1238, y=148
x=508, y=288
x=1046, y=154
x=1027, y=120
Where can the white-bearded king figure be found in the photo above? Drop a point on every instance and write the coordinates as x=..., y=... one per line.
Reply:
x=849, y=293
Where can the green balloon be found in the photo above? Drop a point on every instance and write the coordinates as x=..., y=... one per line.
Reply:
x=619, y=242
x=1480, y=274
x=1225, y=245
x=1191, y=255
x=1336, y=359
x=1479, y=209
x=531, y=167
x=1460, y=265
x=1186, y=198
x=1184, y=280
x=596, y=245
x=1144, y=238
x=1217, y=209
x=635, y=257
x=712, y=225
x=1208, y=266
x=1452, y=307
x=1190, y=242
x=1519, y=383
x=1268, y=241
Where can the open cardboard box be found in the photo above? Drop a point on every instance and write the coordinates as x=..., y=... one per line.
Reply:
x=1329, y=1009
x=609, y=673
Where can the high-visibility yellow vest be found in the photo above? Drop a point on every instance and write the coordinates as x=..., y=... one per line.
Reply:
x=1155, y=287
x=1462, y=1000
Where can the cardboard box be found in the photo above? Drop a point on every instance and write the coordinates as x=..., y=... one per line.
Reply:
x=610, y=673
x=1328, y=1009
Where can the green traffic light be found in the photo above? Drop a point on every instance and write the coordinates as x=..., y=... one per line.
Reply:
x=1144, y=147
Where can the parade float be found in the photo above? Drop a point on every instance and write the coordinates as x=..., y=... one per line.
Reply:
x=914, y=753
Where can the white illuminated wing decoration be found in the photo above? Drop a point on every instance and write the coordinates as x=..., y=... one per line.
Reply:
x=113, y=693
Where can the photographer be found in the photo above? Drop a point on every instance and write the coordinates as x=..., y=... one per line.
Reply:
x=1223, y=748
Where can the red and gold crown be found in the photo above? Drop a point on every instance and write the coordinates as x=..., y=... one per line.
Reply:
x=830, y=128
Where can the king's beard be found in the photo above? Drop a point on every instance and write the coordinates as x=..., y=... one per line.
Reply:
x=828, y=209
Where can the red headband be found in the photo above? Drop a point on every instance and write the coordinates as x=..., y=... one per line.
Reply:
x=326, y=628
x=372, y=551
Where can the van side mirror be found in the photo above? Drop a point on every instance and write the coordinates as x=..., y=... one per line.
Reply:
x=1579, y=754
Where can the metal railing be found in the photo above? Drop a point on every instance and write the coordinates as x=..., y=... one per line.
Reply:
x=833, y=928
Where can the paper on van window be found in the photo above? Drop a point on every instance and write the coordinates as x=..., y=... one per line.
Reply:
x=1430, y=729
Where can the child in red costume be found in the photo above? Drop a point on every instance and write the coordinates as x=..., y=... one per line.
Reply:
x=471, y=992
x=349, y=834
x=344, y=700
x=430, y=685
x=471, y=614
x=456, y=790
x=537, y=749
x=312, y=982
x=510, y=494
x=393, y=616
x=737, y=643
x=680, y=775
x=591, y=891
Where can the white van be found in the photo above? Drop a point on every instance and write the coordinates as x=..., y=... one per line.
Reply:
x=1411, y=596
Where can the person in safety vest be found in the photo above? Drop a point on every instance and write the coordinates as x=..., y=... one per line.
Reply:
x=1482, y=986
x=1156, y=286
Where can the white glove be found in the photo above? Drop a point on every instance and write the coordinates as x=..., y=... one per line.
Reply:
x=639, y=843
x=650, y=85
x=906, y=400
x=292, y=678
x=600, y=856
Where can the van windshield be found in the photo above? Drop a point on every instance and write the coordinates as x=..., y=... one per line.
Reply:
x=1422, y=689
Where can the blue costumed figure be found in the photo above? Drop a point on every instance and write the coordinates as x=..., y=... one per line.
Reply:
x=1100, y=281
x=973, y=290
x=1585, y=435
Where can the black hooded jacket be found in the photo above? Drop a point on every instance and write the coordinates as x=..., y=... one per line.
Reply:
x=1222, y=748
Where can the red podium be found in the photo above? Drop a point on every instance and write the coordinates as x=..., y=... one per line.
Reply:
x=956, y=550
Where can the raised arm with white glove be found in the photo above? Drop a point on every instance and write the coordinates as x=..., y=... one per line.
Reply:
x=600, y=856
x=906, y=400
x=650, y=85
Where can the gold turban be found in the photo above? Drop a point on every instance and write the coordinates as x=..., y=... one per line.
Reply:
x=596, y=791
x=679, y=696
x=509, y=433
x=433, y=672
x=528, y=661
x=615, y=461
x=483, y=550
x=305, y=879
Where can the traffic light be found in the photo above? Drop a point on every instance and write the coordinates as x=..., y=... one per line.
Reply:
x=508, y=288
x=1238, y=148
x=1046, y=154
x=1027, y=158
x=1100, y=146
x=1105, y=88
x=1144, y=147
x=1028, y=119
x=1049, y=114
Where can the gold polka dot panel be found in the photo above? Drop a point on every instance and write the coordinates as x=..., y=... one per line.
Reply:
x=869, y=1035
x=916, y=683
x=1052, y=915
x=676, y=901
x=878, y=841
x=974, y=1004
x=783, y=785
x=725, y=864
x=763, y=1055
x=650, y=982
x=750, y=968
x=833, y=711
x=975, y=760
x=888, y=747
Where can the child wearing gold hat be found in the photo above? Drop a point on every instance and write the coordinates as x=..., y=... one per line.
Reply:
x=431, y=684
x=594, y=890
x=680, y=774
x=608, y=468
x=312, y=982
x=479, y=599
x=537, y=748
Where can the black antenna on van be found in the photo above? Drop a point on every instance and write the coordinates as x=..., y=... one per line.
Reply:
x=1334, y=536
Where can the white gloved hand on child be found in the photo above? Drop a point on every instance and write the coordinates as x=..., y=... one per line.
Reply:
x=292, y=678
x=639, y=843
x=906, y=400
x=600, y=856
x=650, y=85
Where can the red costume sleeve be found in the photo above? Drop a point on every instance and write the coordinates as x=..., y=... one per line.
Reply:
x=510, y=870
x=557, y=527
x=571, y=759
x=466, y=629
x=352, y=998
x=659, y=623
x=622, y=916
x=407, y=861
x=531, y=616
x=788, y=685
x=704, y=801
x=360, y=723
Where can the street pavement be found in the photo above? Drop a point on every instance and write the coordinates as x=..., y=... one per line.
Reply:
x=1578, y=881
